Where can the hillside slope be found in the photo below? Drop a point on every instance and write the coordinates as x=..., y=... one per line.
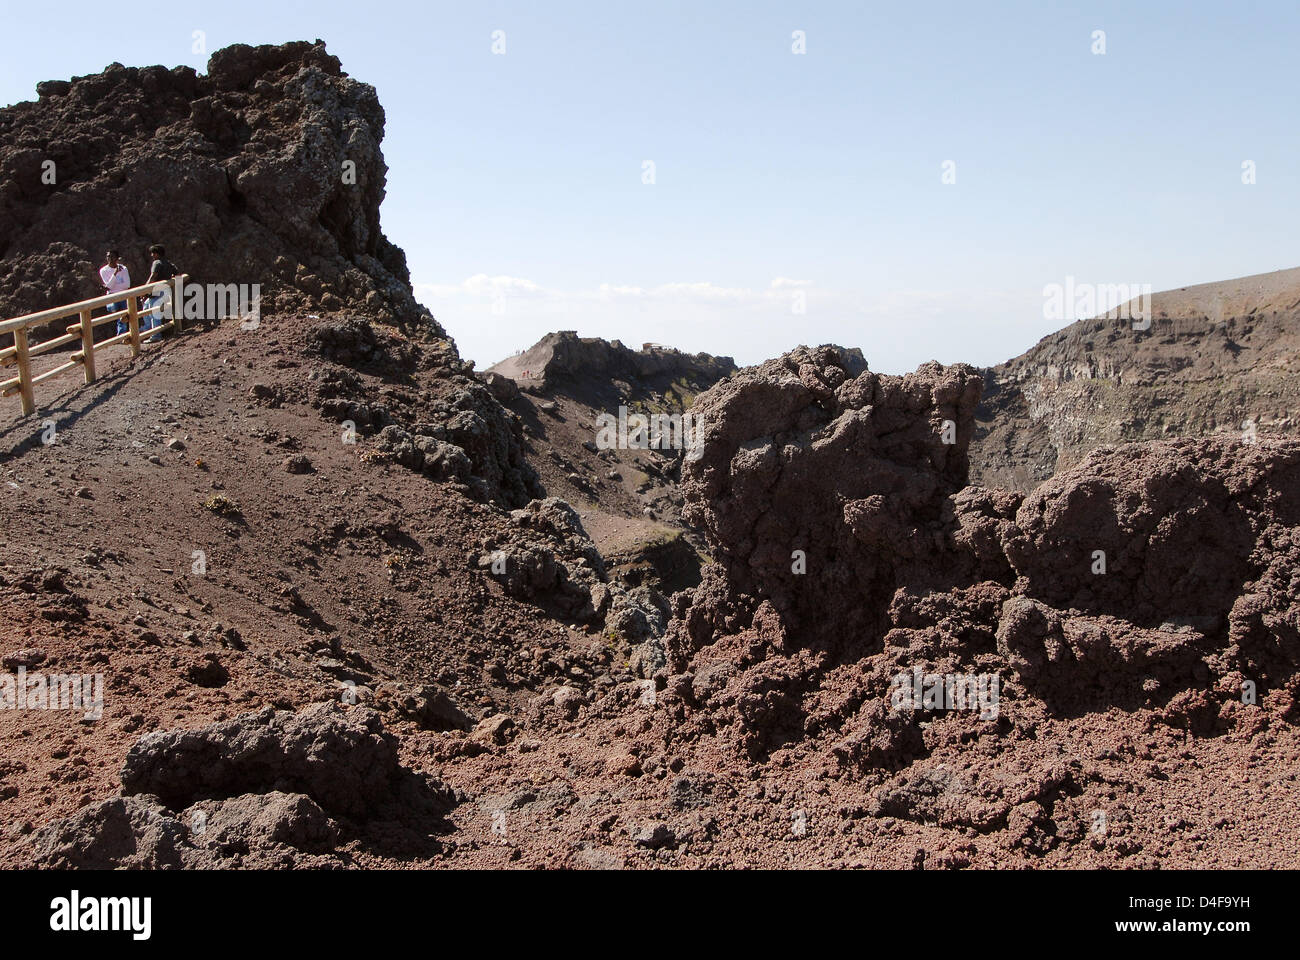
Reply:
x=353, y=575
x=1217, y=356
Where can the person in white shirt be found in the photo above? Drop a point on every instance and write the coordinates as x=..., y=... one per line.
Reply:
x=114, y=278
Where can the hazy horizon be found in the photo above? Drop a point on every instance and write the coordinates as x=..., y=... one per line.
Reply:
x=517, y=177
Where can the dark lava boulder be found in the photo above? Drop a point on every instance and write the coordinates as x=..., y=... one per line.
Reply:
x=822, y=484
x=341, y=758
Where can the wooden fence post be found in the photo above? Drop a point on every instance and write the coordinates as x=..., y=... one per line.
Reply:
x=178, y=309
x=133, y=323
x=24, y=371
x=88, y=345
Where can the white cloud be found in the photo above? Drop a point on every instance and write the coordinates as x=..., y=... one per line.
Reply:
x=482, y=285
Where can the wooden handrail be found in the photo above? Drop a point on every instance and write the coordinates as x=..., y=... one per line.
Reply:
x=58, y=313
x=21, y=353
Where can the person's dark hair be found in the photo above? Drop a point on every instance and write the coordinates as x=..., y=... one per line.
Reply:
x=113, y=252
x=157, y=251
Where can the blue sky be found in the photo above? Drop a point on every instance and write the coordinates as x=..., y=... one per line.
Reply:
x=516, y=179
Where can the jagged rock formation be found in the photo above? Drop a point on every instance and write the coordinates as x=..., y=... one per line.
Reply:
x=1161, y=561
x=546, y=556
x=812, y=459
x=265, y=171
x=422, y=404
x=1149, y=576
x=565, y=360
x=1218, y=358
x=341, y=758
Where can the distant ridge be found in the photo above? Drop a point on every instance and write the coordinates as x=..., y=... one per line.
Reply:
x=1218, y=358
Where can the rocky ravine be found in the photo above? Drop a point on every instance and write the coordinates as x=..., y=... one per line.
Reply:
x=629, y=499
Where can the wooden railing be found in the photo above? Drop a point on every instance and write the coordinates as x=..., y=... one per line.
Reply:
x=22, y=351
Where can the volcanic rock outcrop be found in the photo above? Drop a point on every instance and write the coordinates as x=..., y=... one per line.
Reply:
x=850, y=552
x=267, y=170
x=821, y=484
x=1174, y=561
x=546, y=557
x=565, y=360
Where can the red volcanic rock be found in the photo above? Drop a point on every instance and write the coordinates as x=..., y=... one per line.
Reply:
x=910, y=570
x=343, y=759
x=1200, y=540
x=813, y=458
x=1176, y=524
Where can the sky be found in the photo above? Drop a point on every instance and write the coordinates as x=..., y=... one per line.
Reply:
x=679, y=173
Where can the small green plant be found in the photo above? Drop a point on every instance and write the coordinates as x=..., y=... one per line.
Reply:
x=398, y=561
x=222, y=505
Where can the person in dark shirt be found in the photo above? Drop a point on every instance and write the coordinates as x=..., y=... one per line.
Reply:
x=161, y=271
